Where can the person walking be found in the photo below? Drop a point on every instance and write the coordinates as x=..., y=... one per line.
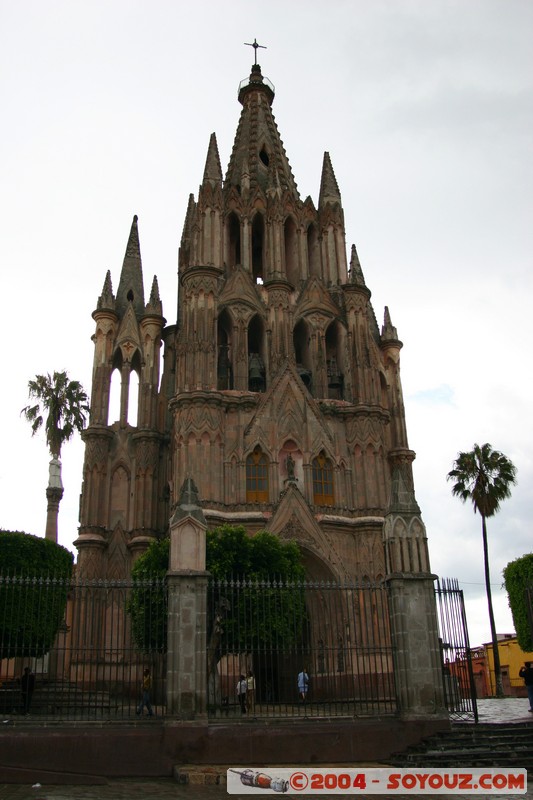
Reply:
x=526, y=673
x=146, y=688
x=27, y=685
x=250, y=692
x=303, y=684
x=241, y=693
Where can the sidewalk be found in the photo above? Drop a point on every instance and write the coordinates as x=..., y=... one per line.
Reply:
x=508, y=709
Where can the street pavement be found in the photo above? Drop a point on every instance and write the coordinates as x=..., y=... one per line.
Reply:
x=490, y=711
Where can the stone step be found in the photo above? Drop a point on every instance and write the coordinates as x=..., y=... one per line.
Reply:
x=473, y=745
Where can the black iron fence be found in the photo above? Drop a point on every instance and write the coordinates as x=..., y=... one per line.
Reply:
x=299, y=649
x=304, y=649
x=86, y=644
x=456, y=655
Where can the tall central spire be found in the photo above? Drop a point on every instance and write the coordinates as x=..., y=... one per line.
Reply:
x=258, y=152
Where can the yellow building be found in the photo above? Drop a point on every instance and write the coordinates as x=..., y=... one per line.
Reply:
x=512, y=658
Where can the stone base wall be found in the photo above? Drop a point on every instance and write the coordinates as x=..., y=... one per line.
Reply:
x=88, y=755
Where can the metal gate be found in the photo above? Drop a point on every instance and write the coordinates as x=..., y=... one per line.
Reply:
x=456, y=657
x=307, y=649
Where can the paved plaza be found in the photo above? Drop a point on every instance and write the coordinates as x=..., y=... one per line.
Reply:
x=491, y=711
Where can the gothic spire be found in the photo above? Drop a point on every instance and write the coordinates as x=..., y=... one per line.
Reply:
x=329, y=190
x=130, y=288
x=213, y=170
x=258, y=147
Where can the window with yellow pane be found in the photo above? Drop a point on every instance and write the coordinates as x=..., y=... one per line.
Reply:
x=322, y=481
x=257, y=477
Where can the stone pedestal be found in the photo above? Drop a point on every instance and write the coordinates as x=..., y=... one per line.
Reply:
x=415, y=640
x=187, y=610
x=186, y=645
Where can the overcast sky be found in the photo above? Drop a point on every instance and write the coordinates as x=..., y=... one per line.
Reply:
x=426, y=108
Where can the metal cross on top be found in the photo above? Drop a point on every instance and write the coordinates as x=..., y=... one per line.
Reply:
x=255, y=46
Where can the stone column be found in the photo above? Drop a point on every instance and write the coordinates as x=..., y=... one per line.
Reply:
x=187, y=612
x=413, y=610
x=54, y=493
x=415, y=639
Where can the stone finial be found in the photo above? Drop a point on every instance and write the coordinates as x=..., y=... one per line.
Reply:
x=388, y=331
x=213, y=170
x=329, y=189
x=107, y=298
x=356, y=272
x=154, y=305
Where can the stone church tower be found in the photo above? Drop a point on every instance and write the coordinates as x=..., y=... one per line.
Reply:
x=275, y=390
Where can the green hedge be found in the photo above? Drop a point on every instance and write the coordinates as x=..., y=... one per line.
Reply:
x=34, y=581
x=518, y=576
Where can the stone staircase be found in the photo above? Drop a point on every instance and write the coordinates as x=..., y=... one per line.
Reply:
x=469, y=745
x=57, y=698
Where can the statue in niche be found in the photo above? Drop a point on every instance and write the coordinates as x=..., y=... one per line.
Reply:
x=290, y=466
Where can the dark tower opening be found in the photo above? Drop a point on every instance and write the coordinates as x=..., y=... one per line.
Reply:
x=302, y=354
x=224, y=367
x=256, y=364
x=234, y=240
x=313, y=251
x=334, y=362
x=291, y=251
x=258, y=228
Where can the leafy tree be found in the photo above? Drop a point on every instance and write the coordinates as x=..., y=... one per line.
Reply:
x=518, y=577
x=259, y=596
x=243, y=604
x=148, y=605
x=65, y=405
x=33, y=593
x=484, y=476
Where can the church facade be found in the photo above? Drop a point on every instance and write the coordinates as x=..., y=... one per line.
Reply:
x=274, y=390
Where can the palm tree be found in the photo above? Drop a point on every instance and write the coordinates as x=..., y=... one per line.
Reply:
x=485, y=477
x=65, y=405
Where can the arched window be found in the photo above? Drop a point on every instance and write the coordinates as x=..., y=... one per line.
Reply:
x=322, y=481
x=257, y=477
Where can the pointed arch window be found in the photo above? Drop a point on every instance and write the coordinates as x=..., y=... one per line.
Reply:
x=322, y=481
x=257, y=477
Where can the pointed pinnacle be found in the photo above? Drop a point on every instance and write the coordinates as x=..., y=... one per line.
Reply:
x=356, y=272
x=213, y=170
x=329, y=189
x=154, y=304
x=106, y=299
x=388, y=331
x=130, y=288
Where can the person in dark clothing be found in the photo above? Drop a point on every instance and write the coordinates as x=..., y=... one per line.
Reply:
x=27, y=685
x=146, y=688
x=526, y=673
